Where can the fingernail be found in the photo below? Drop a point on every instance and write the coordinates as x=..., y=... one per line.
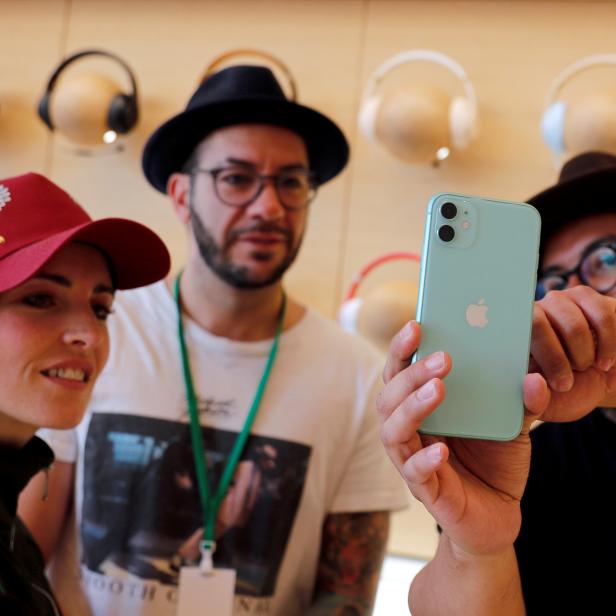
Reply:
x=605, y=364
x=434, y=453
x=435, y=361
x=407, y=331
x=425, y=392
x=564, y=383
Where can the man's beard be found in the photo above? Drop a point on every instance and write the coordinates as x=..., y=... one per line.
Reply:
x=239, y=276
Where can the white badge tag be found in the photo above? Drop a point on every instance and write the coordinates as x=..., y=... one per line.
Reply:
x=206, y=594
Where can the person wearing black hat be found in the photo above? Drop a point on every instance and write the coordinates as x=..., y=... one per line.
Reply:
x=521, y=533
x=562, y=542
x=303, y=518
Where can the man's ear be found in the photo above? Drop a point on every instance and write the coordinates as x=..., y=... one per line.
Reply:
x=178, y=190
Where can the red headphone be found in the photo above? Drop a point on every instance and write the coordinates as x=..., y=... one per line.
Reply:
x=349, y=310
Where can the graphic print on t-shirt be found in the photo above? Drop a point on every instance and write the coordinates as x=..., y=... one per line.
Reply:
x=141, y=508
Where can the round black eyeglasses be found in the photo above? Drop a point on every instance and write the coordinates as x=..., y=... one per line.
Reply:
x=596, y=268
x=238, y=187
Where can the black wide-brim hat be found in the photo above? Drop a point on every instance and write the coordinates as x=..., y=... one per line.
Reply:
x=586, y=186
x=242, y=95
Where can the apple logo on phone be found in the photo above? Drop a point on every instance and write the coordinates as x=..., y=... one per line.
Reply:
x=477, y=314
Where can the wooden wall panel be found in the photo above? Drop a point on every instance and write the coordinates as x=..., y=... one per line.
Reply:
x=31, y=33
x=512, y=51
x=169, y=44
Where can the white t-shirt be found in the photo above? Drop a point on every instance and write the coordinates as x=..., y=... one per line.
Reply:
x=313, y=450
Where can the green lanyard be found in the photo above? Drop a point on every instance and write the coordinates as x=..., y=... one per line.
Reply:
x=211, y=503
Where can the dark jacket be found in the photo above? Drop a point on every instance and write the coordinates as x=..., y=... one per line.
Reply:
x=567, y=545
x=24, y=590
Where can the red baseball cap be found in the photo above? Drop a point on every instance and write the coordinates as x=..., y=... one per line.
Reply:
x=37, y=218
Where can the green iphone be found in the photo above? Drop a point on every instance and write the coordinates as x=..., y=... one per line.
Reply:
x=476, y=295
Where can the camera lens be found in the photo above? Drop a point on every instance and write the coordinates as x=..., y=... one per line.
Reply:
x=449, y=210
x=446, y=233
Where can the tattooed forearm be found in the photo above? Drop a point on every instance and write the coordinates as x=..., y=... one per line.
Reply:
x=352, y=552
x=337, y=605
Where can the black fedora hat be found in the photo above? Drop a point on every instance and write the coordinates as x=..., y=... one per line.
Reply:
x=586, y=186
x=242, y=94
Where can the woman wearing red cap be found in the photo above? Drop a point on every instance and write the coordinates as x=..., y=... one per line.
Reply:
x=58, y=274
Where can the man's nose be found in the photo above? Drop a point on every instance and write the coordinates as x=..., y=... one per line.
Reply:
x=267, y=205
x=573, y=280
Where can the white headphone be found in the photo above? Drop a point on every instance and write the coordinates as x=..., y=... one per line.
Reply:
x=462, y=110
x=349, y=310
x=553, y=119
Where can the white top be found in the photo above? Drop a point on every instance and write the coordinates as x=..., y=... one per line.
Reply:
x=314, y=450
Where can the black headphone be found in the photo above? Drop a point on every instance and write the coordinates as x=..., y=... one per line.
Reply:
x=123, y=111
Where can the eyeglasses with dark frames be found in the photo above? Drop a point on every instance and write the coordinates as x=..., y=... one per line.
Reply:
x=239, y=187
x=596, y=268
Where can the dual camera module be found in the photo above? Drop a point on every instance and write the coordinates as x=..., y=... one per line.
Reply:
x=448, y=211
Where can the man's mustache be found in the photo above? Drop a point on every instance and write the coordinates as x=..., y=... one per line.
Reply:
x=260, y=228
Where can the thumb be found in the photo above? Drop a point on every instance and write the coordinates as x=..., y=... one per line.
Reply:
x=536, y=395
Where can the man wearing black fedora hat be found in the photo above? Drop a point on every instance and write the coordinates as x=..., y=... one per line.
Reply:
x=524, y=534
x=232, y=416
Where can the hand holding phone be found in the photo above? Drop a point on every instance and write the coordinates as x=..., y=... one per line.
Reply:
x=476, y=295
